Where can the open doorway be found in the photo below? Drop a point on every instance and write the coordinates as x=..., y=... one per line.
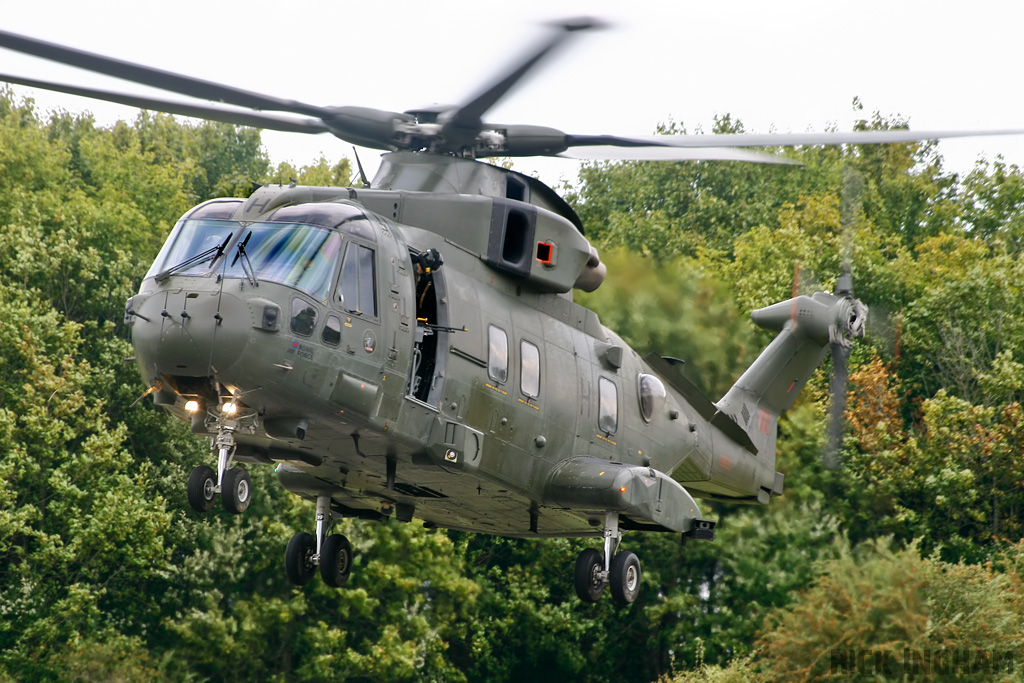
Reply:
x=431, y=328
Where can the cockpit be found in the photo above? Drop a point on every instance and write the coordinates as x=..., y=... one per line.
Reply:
x=296, y=246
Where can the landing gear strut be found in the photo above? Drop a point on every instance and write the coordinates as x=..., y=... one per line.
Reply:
x=233, y=483
x=620, y=571
x=332, y=553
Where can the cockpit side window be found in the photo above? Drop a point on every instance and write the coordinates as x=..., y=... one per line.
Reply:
x=303, y=317
x=357, y=292
x=331, y=334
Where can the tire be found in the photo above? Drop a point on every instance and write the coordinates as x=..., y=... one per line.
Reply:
x=585, y=577
x=624, y=578
x=298, y=558
x=336, y=561
x=236, y=490
x=201, y=484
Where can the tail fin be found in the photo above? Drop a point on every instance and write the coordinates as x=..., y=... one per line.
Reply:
x=807, y=327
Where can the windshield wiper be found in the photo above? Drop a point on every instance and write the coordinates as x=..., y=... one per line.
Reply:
x=211, y=254
x=246, y=263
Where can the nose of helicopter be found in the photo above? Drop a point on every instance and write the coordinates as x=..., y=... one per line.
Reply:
x=182, y=332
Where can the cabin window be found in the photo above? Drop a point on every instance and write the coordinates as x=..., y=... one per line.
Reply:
x=497, y=356
x=303, y=317
x=358, y=290
x=652, y=395
x=608, y=408
x=332, y=331
x=529, y=376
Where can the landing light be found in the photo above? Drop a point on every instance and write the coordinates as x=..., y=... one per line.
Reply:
x=229, y=408
x=192, y=406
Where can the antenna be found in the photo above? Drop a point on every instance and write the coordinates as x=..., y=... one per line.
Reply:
x=359, y=165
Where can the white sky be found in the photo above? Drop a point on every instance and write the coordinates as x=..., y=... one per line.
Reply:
x=794, y=65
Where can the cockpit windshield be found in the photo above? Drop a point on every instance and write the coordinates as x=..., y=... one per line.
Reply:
x=301, y=256
x=189, y=239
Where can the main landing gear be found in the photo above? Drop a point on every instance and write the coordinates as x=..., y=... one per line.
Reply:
x=232, y=483
x=619, y=571
x=333, y=553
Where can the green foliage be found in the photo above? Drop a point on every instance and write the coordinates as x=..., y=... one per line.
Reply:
x=739, y=670
x=687, y=208
x=896, y=603
x=759, y=559
x=676, y=309
x=81, y=528
x=319, y=173
x=676, y=209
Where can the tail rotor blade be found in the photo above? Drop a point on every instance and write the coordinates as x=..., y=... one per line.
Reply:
x=840, y=356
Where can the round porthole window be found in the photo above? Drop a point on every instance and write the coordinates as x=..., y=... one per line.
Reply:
x=652, y=395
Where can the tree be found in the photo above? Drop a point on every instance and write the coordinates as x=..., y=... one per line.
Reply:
x=899, y=610
x=80, y=528
x=319, y=173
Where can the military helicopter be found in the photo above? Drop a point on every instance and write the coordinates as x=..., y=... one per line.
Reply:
x=411, y=349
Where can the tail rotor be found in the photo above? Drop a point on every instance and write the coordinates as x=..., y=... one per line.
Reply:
x=851, y=319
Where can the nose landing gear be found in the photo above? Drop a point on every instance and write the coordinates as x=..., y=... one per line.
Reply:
x=619, y=571
x=232, y=483
x=333, y=553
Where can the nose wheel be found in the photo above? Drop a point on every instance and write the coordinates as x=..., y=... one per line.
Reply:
x=236, y=491
x=619, y=571
x=331, y=553
x=202, y=488
x=232, y=483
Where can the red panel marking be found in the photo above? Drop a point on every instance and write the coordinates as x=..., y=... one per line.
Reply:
x=764, y=421
x=725, y=462
x=791, y=387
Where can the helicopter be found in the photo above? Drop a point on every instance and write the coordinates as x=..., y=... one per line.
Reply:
x=410, y=348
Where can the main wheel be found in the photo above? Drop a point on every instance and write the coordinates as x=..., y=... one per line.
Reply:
x=236, y=490
x=201, y=488
x=624, y=578
x=298, y=558
x=336, y=560
x=586, y=579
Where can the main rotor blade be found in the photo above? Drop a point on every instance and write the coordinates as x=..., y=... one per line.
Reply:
x=157, y=78
x=469, y=114
x=638, y=153
x=860, y=137
x=199, y=111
